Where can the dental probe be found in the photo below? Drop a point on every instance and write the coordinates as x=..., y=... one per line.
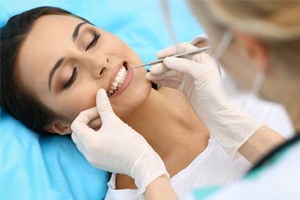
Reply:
x=191, y=52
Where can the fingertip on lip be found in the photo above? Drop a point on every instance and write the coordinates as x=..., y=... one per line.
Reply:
x=156, y=69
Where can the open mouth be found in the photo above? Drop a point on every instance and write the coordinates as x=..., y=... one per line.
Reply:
x=119, y=80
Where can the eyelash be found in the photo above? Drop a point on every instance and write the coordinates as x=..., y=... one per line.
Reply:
x=71, y=80
x=94, y=41
x=74, y=74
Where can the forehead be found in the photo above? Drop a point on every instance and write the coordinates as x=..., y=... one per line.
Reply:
x=44, y=44
x=48, y=29
x=51, y=27
x=50, y=22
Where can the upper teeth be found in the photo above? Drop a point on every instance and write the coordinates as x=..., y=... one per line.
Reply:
x=118, y=81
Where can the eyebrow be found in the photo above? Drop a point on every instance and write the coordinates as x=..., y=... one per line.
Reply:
x=76, y=31
x=61, y=60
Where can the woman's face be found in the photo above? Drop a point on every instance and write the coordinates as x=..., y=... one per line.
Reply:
x=64, y=61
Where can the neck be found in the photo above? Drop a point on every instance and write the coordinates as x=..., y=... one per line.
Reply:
x=170, y=126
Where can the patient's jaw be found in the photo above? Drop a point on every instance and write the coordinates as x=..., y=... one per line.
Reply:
x=64, y=61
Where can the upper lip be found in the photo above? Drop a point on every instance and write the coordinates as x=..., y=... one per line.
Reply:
x=114, y=74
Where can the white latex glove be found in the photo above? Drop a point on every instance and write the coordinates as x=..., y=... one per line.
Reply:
x=200, y=81
x=162, y=75
x=116, y=147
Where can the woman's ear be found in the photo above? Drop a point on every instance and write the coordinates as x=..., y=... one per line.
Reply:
x=255, y=49
x=58, y=127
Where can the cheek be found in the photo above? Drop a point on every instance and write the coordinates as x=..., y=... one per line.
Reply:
x=82, y=100
x=69, y=105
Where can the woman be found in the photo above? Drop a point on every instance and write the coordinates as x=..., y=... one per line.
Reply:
x=261, y=39
x=55, y=62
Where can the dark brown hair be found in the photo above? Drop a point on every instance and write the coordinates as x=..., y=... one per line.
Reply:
x=13, y=97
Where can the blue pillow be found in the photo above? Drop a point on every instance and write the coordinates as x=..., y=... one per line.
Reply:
x=50, y=167
x=44, y=167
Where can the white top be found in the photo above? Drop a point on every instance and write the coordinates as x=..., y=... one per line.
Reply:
x=211, y=167
x=279, y=181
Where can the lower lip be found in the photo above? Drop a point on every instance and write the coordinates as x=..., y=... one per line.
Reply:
x=125, y=84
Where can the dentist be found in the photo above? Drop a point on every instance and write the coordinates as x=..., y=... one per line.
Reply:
x=258, y=44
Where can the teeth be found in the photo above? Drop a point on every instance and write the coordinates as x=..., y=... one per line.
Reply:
x=118, y=81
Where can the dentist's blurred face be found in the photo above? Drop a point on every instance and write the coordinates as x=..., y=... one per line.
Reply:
x=64, y=61
x=234, y=59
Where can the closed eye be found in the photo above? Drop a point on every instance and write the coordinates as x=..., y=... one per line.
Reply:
x=71, y=80
x=94, y=41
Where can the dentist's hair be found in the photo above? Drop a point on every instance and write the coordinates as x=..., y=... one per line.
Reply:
x=14, y=99
x=276, y=23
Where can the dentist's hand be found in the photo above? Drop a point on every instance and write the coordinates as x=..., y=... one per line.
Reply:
x=197, y=76
x=164, y=75
x=116, y=147
x=200, y=81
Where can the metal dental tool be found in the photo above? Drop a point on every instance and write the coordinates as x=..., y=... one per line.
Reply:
x=191, y=52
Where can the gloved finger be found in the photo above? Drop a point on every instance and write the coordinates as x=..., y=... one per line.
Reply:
x=178, y=48
x=103, y=105
x=80, y=146
x=80, y=124
x=171, y=83
x=96, y=124
x=81, y=131
x=75, y=138
x=185, y=66
x=204, y=58
x=167, y=75
x=77, y=141
x=158, y=69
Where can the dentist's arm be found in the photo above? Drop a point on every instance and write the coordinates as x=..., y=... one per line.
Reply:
x=260, y=143
x=116, y=147
x=199, y=80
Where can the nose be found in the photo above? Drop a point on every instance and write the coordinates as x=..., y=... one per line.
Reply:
x=97, y=66
x=100, y=68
